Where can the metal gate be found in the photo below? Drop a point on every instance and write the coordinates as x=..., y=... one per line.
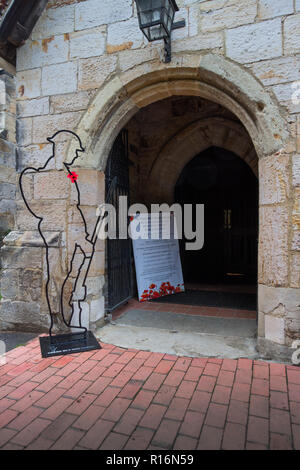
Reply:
x=118, y=260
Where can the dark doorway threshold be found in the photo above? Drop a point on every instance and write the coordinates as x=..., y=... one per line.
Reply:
x=238, y=300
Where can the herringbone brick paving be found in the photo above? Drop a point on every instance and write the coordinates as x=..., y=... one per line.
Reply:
x=117, y=399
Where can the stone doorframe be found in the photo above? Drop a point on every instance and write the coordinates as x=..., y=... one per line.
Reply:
x=222, y=81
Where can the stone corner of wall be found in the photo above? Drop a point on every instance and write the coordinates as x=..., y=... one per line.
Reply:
x=269, y=350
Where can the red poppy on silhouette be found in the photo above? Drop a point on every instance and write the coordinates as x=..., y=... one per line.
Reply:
x=73, y=176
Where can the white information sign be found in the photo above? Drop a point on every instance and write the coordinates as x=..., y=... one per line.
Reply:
x=157, y=258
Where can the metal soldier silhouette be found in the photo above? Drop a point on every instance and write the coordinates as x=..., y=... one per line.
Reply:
x=83, y=250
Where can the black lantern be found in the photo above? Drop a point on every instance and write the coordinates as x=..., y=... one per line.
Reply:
x=156, y=20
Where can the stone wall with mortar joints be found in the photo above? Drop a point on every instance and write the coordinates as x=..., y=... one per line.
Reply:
x=66, y=62
x=7, y=153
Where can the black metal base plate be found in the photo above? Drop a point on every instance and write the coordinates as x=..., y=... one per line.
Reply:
x=61, y=345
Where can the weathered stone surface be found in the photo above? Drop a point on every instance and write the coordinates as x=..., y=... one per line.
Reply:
x=77, y=235
x=9, y=285
x=59, y=79
x=272, y=8
x=71, y=102
x=23, y=257
x=24, y=316
x=38, y=53
x=255, y=42
x=269, y=349
x=261, y=325
x=292, y=34
x=296, y=221
x=7, y=175
x=46, y=126
x=54, y=215
x=274, y=179
x=235, y=14
x=35, y=156
x=278, y=301
x=193, y=20
x=7, y=191
x=85, y=316
x=296, y=170
x=24, y=131
x=55, y=21
x=31, y=284
x=55, y=187
x=35, y=107
x=90, y=14
x=273, y=246
x=85, y=44
x=29, y=84
x=124, y=35
x=201, y=42
x=95, y=285
x=91, y=185
x=295, y=270
x=93, y=72
x=32, y=239
x=97, y=309
x=128, y=60
x=297, y=4
x=7, y=206
x=98, y=264
x=276, y=71
x=274, y=329
x=7, y=154
x=284, y=93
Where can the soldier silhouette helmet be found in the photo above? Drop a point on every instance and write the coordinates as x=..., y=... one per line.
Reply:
x=76, y=143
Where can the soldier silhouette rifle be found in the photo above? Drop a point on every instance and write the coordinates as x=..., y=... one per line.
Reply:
x=84, y=248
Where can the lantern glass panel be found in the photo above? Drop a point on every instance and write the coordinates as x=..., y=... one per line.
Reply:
x=156, y=18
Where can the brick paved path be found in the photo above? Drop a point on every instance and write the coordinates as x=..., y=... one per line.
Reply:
x=128, y=399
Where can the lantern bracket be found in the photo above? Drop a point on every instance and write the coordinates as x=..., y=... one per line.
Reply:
x=178, y=24
x=167, y=41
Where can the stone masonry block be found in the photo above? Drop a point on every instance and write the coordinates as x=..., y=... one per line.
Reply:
x=124, y=35
x=274, y=179
x=97, y=309
x=29, y=84
x=39, y=53
x=70, y=102
x=255, y=42
x=21, y=257
x=45, y=126
x=273, y=245
x=272, y=8
x=292, y=34
x=85, y=44
x=59, y=79
x=36, y=107
x=93, y=72
x=91, y=13
x=274, y=329
x=55, y=21
x=51, y=186
x=235, y=14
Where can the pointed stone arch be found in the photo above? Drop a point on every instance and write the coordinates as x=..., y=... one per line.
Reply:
x=189, y=142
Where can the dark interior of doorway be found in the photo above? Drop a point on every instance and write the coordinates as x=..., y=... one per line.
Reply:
x=224, y=272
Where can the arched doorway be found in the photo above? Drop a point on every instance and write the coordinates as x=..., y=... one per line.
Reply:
x=215, y=78
x=164, y=165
